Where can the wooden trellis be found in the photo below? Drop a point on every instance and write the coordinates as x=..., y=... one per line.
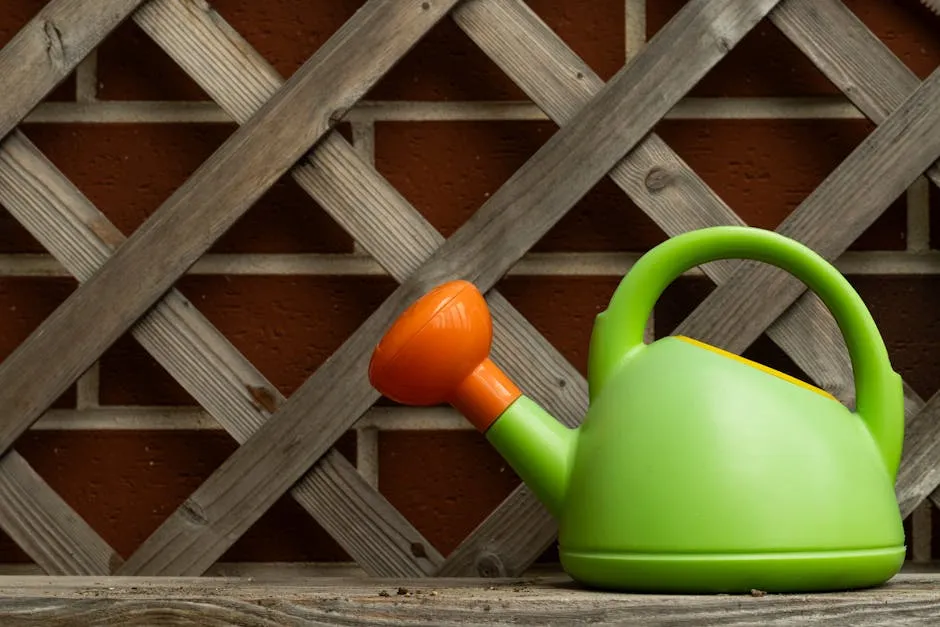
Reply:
x=286, y=444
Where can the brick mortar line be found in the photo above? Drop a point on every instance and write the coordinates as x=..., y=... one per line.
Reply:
x=169, y=112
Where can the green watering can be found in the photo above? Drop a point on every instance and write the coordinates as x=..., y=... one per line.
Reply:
x=694, y=470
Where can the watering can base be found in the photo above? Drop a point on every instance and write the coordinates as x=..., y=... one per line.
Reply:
x=731, y=573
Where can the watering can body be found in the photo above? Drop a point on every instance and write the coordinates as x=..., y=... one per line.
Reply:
x=694, y=470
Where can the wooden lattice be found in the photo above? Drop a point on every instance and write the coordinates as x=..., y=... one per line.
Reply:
x=289, y=126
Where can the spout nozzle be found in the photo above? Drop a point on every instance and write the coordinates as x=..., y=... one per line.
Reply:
x=437, y=351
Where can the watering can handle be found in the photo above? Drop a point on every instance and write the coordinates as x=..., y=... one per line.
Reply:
x=879, y=395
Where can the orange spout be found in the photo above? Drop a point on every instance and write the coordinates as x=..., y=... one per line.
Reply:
x=437, y=351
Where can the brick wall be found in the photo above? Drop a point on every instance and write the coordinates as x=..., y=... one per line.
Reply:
x=763, y=156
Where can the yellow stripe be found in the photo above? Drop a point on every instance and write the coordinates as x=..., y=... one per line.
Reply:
x=754, y=364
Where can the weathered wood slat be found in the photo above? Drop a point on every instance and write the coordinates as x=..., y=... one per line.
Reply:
x=850, y=55
x=512, y=220
x=540, y=599
x=43, y=53
x=187, y=224
x=879, y=170
x=206, y=364
x=45, y=527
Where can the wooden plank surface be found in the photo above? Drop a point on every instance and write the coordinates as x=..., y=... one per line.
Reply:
x=539, y=599
x=207, y=365
x=45, y=51
x=513, y=219
x=200, y=211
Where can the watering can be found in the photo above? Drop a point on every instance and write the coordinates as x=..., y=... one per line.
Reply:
x=694, y=470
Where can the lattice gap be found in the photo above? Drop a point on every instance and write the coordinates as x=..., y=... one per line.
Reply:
x=380, y=545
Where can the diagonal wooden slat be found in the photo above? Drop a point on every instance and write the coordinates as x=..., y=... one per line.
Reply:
x=49, y=47
x=206, y=364
x=491, y=241
x=880, y=169
x=187, y=224
x=46, y=527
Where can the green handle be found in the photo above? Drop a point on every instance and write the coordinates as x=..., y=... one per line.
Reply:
x=879, y=395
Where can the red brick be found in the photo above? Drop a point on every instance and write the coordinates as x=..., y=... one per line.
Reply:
x=132, y=67
x=909, y=29
x=14, y=16
x=285, y=326
x=447, y=65
x=128, y=170
x=765, y=63
x=449, y=169
x=125, y=484
x=25, y=303
x=763, y=169
x=907, y=311
x=562, y=309
x=445, y=483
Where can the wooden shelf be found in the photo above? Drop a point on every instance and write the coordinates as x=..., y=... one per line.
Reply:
x=538, y=600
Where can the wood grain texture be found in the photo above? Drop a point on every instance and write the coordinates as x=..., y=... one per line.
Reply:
x=879, y=170
x=538, y=599
x=46, y=527
x=207, y=365
x=210, y=201
x=855, y=59
x=45, y=51
x=514, y=218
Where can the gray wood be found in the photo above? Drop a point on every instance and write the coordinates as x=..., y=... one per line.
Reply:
x=45, y=527
x=537, y=599
x=855, y=59
x=45, y=51
x=880, y=169
x=207, y=365
x=514, y=218
x=187, y=224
